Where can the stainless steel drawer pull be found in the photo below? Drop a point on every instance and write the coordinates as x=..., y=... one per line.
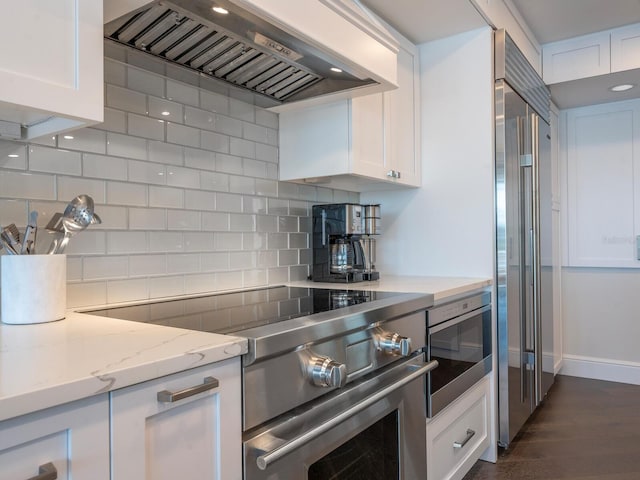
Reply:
x=470, y=433
x=47, y=471
x=167, y=396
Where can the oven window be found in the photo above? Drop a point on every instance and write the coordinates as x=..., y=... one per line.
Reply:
x=372, y=454
x=458, y=348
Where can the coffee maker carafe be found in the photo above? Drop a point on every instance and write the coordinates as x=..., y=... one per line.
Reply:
x=340, y=244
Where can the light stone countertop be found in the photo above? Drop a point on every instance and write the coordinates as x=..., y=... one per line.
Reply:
x=440, y=287
x=53, y=363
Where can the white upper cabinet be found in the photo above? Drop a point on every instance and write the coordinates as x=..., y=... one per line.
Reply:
x=51, y=71
x=625, y=48
x=591, y=55
x=362, y=144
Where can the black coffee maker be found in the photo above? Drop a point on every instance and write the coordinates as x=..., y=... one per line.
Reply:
x=338, y=253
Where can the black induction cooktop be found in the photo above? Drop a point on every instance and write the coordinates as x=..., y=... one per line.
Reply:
x=237, y=311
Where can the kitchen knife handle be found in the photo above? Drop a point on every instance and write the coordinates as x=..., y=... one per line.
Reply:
x=167, y=396
x=47, y=471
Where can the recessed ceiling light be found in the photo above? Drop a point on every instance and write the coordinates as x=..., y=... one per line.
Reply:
x=336, y=69
x=68, y=137
x=621, y=88
x=220, y=10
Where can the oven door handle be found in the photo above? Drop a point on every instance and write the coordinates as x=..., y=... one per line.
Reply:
x=263, y=461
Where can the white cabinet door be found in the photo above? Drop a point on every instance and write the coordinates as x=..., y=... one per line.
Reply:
x=366, y=143
x=72, y=440
x=578, y=57
x=625, y=48
x=197, y=436
x=51, y=71
x=603, y=185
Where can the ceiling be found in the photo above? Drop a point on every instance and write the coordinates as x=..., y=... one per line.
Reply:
x=549, y=20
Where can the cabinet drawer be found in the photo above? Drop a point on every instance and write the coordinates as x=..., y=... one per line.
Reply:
x=459, y=435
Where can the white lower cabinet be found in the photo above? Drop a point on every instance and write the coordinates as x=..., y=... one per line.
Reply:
x=71, y=440
x=457, y=436
x=182, y=426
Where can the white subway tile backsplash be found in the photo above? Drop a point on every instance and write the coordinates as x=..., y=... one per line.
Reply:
x=183, y=220
x=147, y=219
x=268, y=153
x=215, y=221
x=214, y=102
x=166, y=110
x=127, y=290
x=198, y=241
x=185, y=181
x=228, y=202
x=244, y=185
x=13, y=155
x=69, y=187
x=199, y=159
x=91, y=242
x=229, y=164
x=147, y=265
x=86, y=294
x=128, y=100
x=214, y=262
x=165, y=242
x=147, y=172
x=104, y=167
x=101, y=268
x=182, y=93
x=166, y=197
x=242, y=110
x=183, y=135
x=124, y=146
x=216, y=142
x=85, y=139
x=127, y=242
x=183, y=177
x=242, y=222
x=199, y=200
x=120, y=193
x=146, y=82
x=166, y=286
x=44, y=159
x=114, y=121
x=142, y=126
x=267, y=118
x=242, y=148
x=183, y=263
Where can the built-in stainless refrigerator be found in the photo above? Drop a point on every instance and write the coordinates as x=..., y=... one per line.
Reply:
x=524, y=238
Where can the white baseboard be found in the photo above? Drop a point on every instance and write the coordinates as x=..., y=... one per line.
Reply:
x=601, y=369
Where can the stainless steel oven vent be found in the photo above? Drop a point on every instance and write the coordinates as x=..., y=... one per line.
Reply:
x=237, y=47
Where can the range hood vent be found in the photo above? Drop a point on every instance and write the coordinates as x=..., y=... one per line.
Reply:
x=238, y=47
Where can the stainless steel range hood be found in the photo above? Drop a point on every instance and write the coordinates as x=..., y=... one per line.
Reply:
x=281, y=50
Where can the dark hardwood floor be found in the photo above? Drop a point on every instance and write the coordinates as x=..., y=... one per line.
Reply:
x=585, y=430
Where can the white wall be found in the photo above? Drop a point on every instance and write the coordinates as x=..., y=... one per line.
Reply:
x=451, y=217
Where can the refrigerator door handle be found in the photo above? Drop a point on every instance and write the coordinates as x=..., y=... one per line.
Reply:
x=535, y=260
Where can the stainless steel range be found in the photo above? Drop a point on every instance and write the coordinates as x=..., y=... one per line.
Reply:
x=333, y=384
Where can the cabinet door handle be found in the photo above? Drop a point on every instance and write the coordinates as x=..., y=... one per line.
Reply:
x=167, y=396
x=470, y=433
x=393, y=174
x=46, y=472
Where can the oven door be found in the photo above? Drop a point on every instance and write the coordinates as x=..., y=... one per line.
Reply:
x=462, y=347
x=374, y=429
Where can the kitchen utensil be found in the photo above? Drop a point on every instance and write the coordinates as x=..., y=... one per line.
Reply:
x=76, y=217
x=55, y=224
x=6, y=243
x=29, y=240
x=11, y=235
